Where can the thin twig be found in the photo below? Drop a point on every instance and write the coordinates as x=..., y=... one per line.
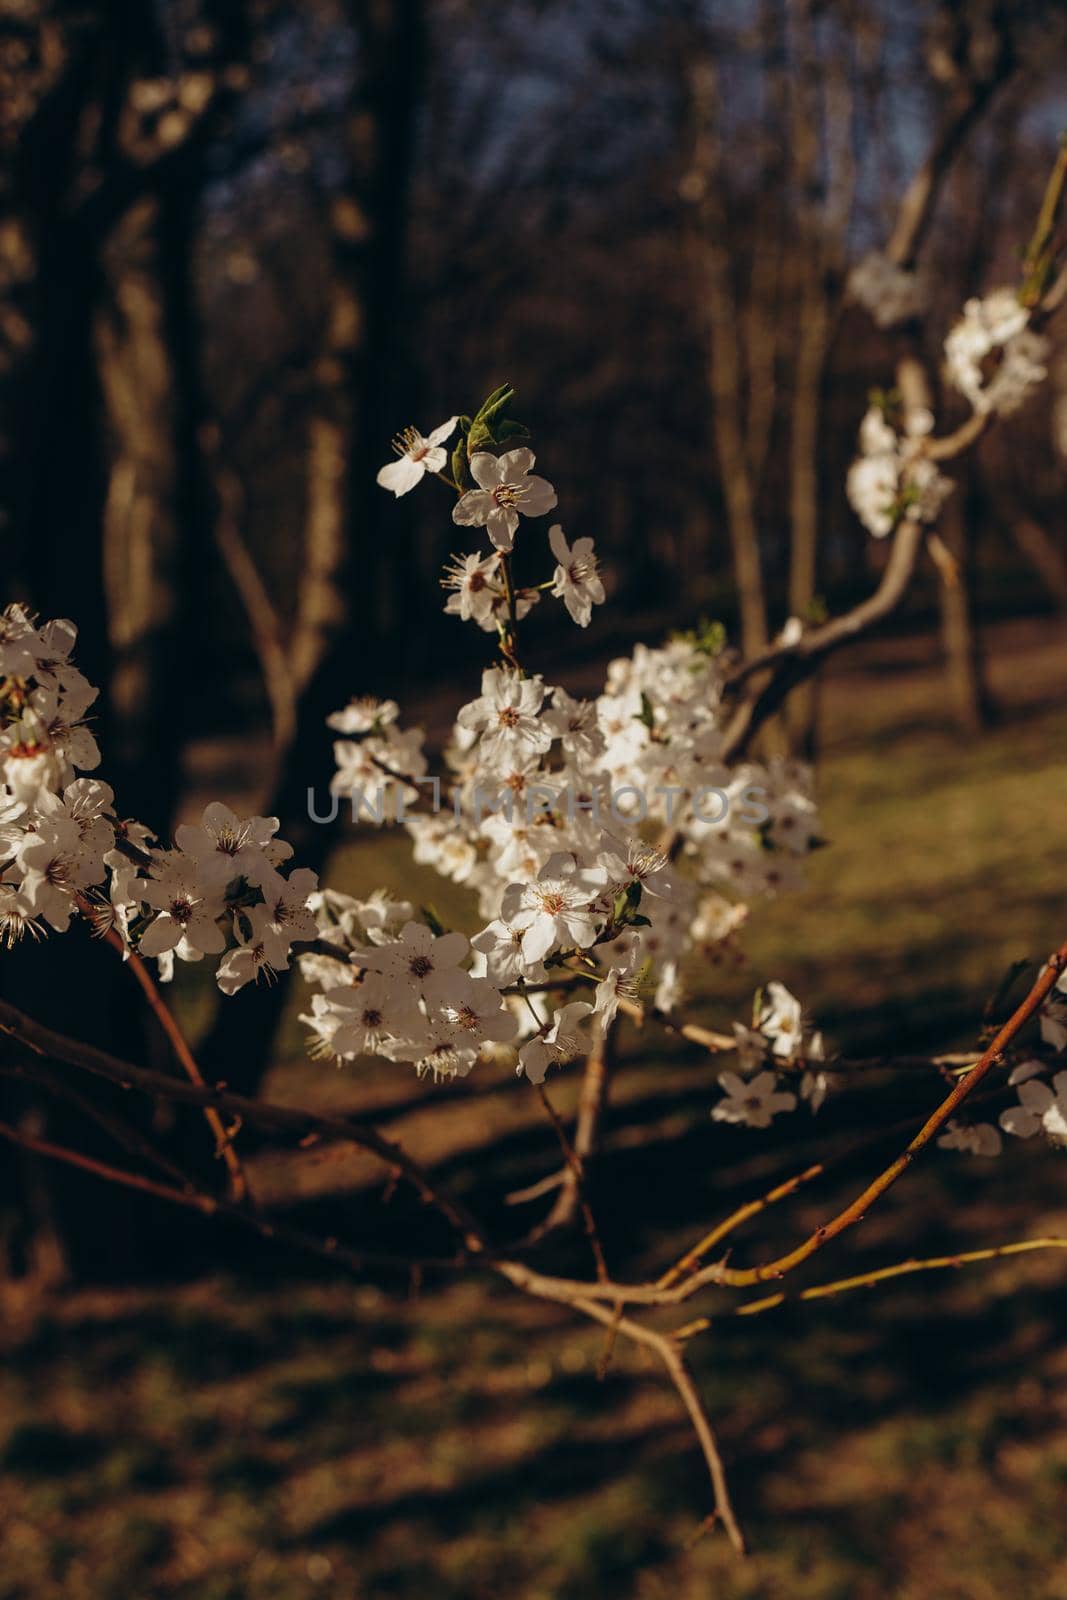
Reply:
x=574, y=1166
x=239, y=1187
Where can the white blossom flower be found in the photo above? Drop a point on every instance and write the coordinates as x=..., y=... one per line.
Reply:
x=285, y=901
x=781, y=1020
x=1038, y=1107
x=574, y=724
x=505, y=489
x=420, y=959
x=366, y=1015
x=364, y=714
x=976, y=1138
x=417, y=455
x=477, y=1013
x=500, y=946
x=17, y=915
x=889, y=292
x=892, y=478
x=555, y=909
x=186, y=909
x=560, y=1042
x=997, y=322
x=506, y=715
x=814, y=1087
x=224, y=847
x=635, y=862
x=576, y=580
x=752, y=1101
x=260, y=953
x=616, y=984
x=475, y=591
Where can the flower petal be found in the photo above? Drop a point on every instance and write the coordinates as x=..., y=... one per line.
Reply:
x=487, y=470
x=539, y=497
x=473, y=509
x=515, y=464
x=441, y=433
x=401, y=476
x=501, y=524
x=558, y=544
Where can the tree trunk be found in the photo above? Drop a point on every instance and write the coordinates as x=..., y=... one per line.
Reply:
x=968, y=698
x=355, y=652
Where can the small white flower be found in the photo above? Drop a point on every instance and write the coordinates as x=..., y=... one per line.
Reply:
x=1038, y=1107
x=285, y=901
x=997, y=322
x=574, y=724
x=635, y=862
x=891, y=478
x=224, y=847
x=476, y=1013
x=418, y=456
x=425, y=962
x=507, y=717
x=781, y=1020
x=560, y=1042
x=475, y=593
x=259, y=954
x=890, y=293
x=365, y=1016
x=814, y=1087
x=576, y=580
x=187, y=911
x=365, y=714
x=753, y=1101
x=553, y=910
x=976, y=1138
x=504, y=490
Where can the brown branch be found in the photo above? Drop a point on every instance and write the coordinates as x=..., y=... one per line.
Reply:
x=666, y=1348
x=592, y=1099
x=261, y=1113
x=900, y=1269
x=209, y=1205
x=965, y=106
x=576, y=1173
x=1042, y=987
x=161, y=1011
x=795, y=663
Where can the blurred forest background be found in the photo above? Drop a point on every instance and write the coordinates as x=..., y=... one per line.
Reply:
x=243, y=243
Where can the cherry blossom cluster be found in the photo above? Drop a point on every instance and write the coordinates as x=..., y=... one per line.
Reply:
x=992, y=356
x=995, y=333
x=778, y=1049
x=892, y=480
x=65, y=851
x=605, y=839
x=890, y=293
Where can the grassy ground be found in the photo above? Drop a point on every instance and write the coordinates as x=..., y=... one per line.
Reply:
x=260, y=1432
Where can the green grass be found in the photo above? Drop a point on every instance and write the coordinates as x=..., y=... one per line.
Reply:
x=261, y=1434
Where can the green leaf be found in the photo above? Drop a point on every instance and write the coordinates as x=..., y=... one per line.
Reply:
x=432, y=920
x=490, y=425
x=646, y=714
x=708, y=637
x=459, y=461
